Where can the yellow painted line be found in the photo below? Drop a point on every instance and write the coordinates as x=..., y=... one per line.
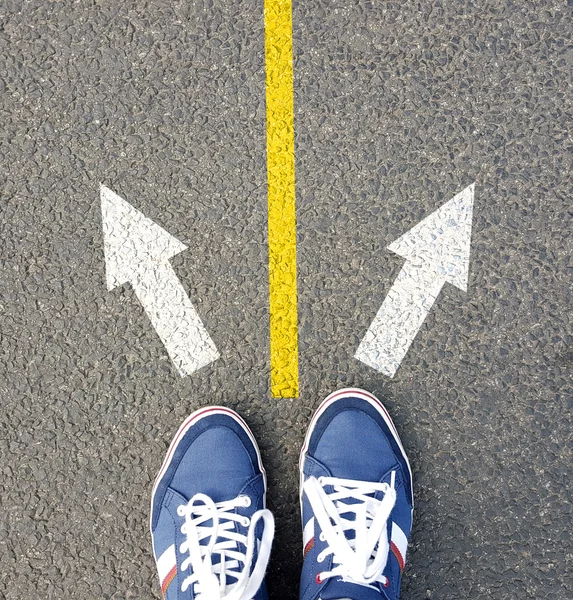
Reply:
x=281, y=199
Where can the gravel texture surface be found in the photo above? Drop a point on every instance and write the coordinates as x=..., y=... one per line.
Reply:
x=398, y=107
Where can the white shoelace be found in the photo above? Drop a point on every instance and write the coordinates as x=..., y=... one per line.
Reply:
x=211, y=580
x=361, y=558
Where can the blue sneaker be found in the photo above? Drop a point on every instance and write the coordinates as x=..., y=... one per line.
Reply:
x=356, y=501
x=212, y=534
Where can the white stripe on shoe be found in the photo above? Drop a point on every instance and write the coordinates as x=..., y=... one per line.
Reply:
x=167, y=568
x=308, y=536
x=399, y=545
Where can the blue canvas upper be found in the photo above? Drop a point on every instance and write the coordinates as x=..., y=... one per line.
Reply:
x=215, y=457
x=351, y=440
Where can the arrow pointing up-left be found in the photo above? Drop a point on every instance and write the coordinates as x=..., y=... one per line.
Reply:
x=137, y=251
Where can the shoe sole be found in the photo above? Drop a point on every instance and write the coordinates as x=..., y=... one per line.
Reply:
x=191, y=420
x=335, y=397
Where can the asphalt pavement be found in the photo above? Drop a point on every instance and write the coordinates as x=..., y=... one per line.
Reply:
x=399, y=106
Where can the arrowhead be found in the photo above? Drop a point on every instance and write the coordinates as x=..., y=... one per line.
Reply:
x=441, y=241
x=132, y=242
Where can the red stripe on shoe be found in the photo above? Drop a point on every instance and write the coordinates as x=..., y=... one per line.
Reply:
x=168, y=579
x=398, y=555
x=309, y=546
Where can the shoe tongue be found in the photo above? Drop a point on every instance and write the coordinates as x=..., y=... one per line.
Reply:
x=344, y=590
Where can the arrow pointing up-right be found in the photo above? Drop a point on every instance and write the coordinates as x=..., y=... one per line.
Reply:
x=441, y=242
x=437, y=250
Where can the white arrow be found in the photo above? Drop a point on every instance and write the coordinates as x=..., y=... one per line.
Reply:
x=137, y=251
x=436, y=250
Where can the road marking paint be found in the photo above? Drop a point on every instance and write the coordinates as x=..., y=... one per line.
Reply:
x=137, y=251
x=281, y=199
x=437, y=250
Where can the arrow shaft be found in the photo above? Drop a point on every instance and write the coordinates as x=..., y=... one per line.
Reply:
x=174, y=318
x=400, y=317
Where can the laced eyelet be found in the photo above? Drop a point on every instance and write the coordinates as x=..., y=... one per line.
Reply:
x=318, y=579
x=387, y=583
x=320, y=558
x=245, y=522
x=321, y=537
x=321, y=480
x=246, y=501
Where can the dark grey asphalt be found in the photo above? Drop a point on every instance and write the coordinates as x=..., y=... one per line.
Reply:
x=399, y=106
